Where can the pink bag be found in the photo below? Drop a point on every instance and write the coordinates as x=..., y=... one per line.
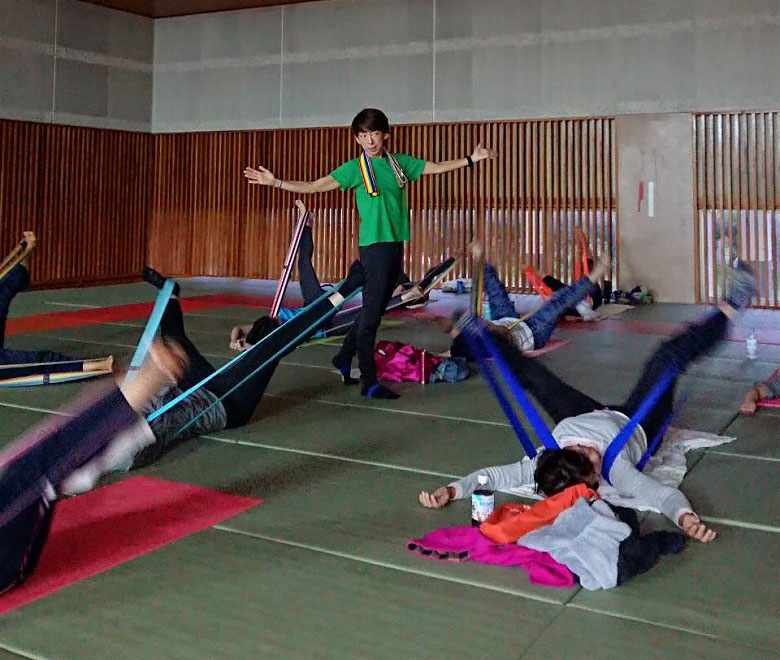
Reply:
x=399, y=363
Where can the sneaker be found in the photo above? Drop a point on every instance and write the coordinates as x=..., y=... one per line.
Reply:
x=742, y=286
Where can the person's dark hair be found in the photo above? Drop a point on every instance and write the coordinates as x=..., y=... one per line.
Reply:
x=370, y=119
x=260, y=328
x=557, y=469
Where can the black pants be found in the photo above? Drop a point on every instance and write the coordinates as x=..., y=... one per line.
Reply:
x=241, y=403
x=381, y=265
x=55, y=449
x=561, y=400
x=15, y=281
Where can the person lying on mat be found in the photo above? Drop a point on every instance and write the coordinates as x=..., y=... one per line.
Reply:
x=311, y=289
x=585, y=428
x=769, y=389
x=527, y=334
x=34, y=468
x=16, y=364
x=548, y=284
x=229, y=399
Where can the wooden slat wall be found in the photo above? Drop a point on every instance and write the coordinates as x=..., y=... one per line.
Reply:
x=737, y=173
x=550, y=176
x=86, y=194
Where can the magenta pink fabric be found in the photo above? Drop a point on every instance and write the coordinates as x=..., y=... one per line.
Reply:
x=541, y=567
x=402, y=363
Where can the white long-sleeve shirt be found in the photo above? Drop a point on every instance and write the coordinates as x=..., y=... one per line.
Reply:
x=596, y=429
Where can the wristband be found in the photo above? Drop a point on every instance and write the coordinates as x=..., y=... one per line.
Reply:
x=280, y=184
x=469, y=163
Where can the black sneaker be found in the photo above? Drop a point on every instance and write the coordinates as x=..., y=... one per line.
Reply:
x=150, y=275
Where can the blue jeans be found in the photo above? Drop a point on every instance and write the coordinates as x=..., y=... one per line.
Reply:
x=17, y=280
x=546, y=318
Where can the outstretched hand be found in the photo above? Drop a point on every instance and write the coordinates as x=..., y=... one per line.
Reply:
x=238, y=338
x=696, y=529
x=437, y=499
x=480, y=153
x=261, y=176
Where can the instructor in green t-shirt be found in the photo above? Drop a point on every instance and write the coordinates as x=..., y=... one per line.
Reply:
x=378, y=179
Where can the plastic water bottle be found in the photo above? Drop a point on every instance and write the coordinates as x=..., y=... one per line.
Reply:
x=482, y=502
x=751, y=344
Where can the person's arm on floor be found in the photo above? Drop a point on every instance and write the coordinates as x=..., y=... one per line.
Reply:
x=630, y=482
x=500, y=477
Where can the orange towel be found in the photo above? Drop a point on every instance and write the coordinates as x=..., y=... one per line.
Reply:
x=510, y=521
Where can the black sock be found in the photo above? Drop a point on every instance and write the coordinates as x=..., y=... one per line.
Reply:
x=345, y=370
x=150, y=275
x=375, y=390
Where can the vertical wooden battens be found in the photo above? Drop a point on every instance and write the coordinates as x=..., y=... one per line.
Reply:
x=84, y=191
x=737, y=199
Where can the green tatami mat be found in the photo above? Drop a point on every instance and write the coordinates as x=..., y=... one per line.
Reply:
x=758, y=435
x=727, y=588
x=350, y=508
x=735, y=488
x=222, y=595
x=574, y=633
x=431, y=444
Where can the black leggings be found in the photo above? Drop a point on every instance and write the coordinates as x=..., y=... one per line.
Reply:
x=561, y=400
x=241, y=403
x=381, y=264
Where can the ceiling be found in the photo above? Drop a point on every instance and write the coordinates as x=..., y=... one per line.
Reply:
x=163, y=8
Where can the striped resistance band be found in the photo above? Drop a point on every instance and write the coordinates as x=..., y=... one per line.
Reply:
x=52, y=379
x=367, y=173
x=163, y=409
x=289, y=262
x=478, y=287
x=291, y=344
x=163, y=296
x=15, y=257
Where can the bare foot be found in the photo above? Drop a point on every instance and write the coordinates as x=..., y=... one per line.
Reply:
x=601, y=269
x=476, y=249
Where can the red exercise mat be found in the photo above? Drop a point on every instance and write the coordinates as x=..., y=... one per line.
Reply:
x=105, y=527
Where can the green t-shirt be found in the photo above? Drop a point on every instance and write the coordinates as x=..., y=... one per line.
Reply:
x=384, y=218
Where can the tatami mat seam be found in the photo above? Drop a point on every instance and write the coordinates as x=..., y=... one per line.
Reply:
x=22, y=654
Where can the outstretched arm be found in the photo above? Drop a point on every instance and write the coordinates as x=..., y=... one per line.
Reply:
x=500, y=477
x=264, y=177
x=480, y=153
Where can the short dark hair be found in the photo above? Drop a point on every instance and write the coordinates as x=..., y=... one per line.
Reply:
x=261, y=328
x=370, y=119
x=557, y=469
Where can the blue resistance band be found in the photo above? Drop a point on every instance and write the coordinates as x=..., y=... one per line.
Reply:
x=616, y=446
x=531, y=415
x=659, y=436
x=476, y=344
x=154, y=415
x=275, y=356
x=163, y=296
